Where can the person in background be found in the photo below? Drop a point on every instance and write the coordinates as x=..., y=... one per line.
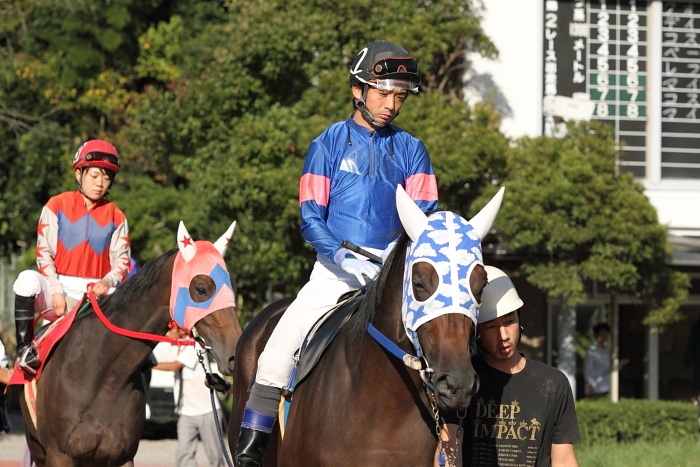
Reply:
x=196, y=416
x=5, y=375
x=347, y=192
x=82, y=245
x=692, y=359
x=523, y=412
x=596, y=365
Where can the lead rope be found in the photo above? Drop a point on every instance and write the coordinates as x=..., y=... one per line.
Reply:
x=442, y=456
x=200, y=356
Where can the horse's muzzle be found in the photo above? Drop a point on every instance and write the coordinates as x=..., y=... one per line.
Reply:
x=454, y=391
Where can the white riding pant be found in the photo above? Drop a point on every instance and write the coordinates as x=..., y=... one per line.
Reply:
x=30, y=283
x=327, y=283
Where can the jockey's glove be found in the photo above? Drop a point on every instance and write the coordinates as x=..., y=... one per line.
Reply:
x=360, y=269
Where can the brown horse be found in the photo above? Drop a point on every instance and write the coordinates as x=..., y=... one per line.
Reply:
x=361, y=405
x=90, y=401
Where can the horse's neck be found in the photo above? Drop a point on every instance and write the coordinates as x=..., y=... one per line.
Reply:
x=145, y=316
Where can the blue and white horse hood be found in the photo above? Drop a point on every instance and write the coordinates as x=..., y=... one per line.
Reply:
x=452, y=245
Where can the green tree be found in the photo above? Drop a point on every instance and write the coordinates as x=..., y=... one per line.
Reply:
x=227, y=125
x=572, y=217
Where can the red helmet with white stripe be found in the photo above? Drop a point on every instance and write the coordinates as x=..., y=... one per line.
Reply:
x=97, y=153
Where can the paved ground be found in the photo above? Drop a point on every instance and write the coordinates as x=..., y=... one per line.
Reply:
x=151, y=453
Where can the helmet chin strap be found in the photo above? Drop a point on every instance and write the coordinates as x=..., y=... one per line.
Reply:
x=360, y=104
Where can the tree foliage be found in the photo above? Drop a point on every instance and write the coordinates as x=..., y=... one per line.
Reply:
x=213, y=105
x=574, y=218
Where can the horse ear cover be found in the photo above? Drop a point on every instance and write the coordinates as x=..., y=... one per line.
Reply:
x=222, y=243
x=185, y=243
x=414, y=220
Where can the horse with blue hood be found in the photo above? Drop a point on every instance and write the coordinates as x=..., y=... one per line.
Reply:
x=377, y=393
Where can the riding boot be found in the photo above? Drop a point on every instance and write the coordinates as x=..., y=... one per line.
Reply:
x=250, y=447
x=28, y=357
x=252, y=440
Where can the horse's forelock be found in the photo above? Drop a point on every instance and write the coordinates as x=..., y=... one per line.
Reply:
x=137, y=285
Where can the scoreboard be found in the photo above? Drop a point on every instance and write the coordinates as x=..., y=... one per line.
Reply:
x=596, y=57
x=680, y=71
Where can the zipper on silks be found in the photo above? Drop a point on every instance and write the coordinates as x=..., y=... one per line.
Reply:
x=372, y=163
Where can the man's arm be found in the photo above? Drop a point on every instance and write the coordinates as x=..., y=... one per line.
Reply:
x=563, y=455
x=168, y=366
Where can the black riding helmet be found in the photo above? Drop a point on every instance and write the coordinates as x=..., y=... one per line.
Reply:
x=384, y=65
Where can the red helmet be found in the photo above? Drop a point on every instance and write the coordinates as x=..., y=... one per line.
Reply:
x=97, y=153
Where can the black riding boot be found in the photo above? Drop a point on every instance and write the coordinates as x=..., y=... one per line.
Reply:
x=250, y=447
x=24, y=322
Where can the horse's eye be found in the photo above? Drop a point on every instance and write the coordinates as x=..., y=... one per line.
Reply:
x=424, y=280
x=202, y=288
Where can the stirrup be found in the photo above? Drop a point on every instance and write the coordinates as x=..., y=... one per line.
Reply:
x=29, y=360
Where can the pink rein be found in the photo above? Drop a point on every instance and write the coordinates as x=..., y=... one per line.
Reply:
x=133, y=334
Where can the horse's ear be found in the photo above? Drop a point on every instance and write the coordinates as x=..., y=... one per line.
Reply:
x=413, y=219
x=483, y=220
x=223, y=241
x=185, y=243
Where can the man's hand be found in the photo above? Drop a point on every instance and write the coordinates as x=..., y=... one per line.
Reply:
x=217, y=382
x=360, y=268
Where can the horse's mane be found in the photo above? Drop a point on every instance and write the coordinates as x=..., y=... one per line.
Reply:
x=375, y=293
x=136, y=286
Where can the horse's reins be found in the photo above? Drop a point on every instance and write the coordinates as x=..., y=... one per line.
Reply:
x=155, y=337
x=416, y=362
x=420, y=363
x=130, y=333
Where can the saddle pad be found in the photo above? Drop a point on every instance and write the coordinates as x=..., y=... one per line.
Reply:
x=44, y=344
x=316, y=342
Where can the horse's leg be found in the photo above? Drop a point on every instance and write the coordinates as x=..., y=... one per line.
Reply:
x=58, y=459
x=36, y=450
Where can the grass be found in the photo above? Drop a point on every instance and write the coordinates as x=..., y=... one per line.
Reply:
x=640, y=454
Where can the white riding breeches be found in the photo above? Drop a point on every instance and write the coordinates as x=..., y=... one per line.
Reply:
x=327, y=283
x=30, y=283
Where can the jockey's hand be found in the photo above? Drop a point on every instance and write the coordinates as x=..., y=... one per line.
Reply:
x=99, y=288
x=360, y=268
x=217, y=382
x=58, y=302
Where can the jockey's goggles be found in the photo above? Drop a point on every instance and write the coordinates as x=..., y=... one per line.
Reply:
x=95, y=156
x=385, y=66
x=389, y=84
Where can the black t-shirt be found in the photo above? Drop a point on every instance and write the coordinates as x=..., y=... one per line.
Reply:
x=514, y=419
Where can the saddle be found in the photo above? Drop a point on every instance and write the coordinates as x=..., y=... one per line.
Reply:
x=315, y=344
x=46, y=338
x=323, y=333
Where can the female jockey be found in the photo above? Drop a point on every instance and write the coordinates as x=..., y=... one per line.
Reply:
x=82, y=238
x=347, y=192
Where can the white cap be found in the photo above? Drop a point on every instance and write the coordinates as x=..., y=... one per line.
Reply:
x=499, y=296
